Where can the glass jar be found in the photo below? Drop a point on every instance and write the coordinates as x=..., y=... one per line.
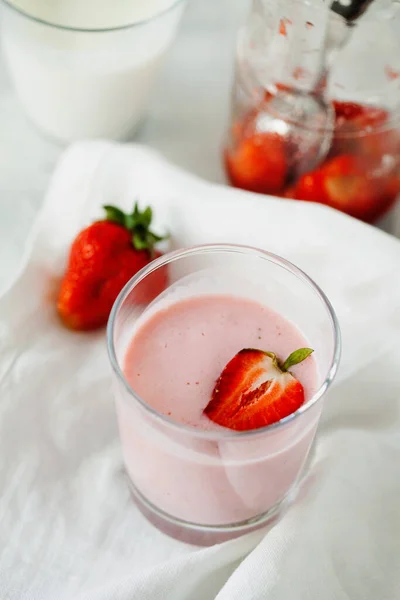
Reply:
x=278, y=48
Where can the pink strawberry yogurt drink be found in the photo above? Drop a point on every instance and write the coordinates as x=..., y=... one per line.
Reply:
x=183, y=467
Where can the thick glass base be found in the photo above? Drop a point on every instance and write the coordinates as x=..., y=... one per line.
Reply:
x=207, y=535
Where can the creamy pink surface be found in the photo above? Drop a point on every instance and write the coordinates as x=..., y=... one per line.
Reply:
x=173, y=362
x=176, y=357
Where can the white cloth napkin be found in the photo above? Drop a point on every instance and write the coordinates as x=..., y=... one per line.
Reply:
x=68, y=527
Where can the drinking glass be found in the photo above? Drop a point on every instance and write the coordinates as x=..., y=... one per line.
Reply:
x=86, y=81
x=206, y=486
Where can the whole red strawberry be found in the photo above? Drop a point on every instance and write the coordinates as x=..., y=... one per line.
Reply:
x=102, y=259
x=255, y=390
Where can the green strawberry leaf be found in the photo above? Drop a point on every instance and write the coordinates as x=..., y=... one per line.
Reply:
x=157, y=238
x=115, y=215
x=140, y=241
x=296, y=357
x=138, y=224
x=136, y=211
x=146, y=217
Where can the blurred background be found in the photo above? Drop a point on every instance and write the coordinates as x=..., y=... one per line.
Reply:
x=189, y=118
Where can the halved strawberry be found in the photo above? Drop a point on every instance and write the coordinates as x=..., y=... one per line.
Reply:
x=258, y=163
x=348, y=188
x=255, y=390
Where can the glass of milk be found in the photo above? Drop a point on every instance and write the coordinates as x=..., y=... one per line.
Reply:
x=85, y=68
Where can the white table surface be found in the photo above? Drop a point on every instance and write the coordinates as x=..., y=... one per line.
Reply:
x=186, y=121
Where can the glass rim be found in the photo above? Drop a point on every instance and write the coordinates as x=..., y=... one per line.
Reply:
x=227, y=248
x=10, y=4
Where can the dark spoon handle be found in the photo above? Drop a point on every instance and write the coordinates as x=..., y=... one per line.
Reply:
x=350, y=10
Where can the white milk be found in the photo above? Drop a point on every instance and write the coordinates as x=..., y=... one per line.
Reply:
x=87, y=84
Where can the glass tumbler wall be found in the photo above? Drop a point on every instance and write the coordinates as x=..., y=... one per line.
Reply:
x=218, y=480
x=279, y=48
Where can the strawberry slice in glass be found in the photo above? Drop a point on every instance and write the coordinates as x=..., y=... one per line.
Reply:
x=256, y=390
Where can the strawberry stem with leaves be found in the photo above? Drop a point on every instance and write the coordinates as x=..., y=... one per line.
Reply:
x=294, y=358
x=138, y=224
